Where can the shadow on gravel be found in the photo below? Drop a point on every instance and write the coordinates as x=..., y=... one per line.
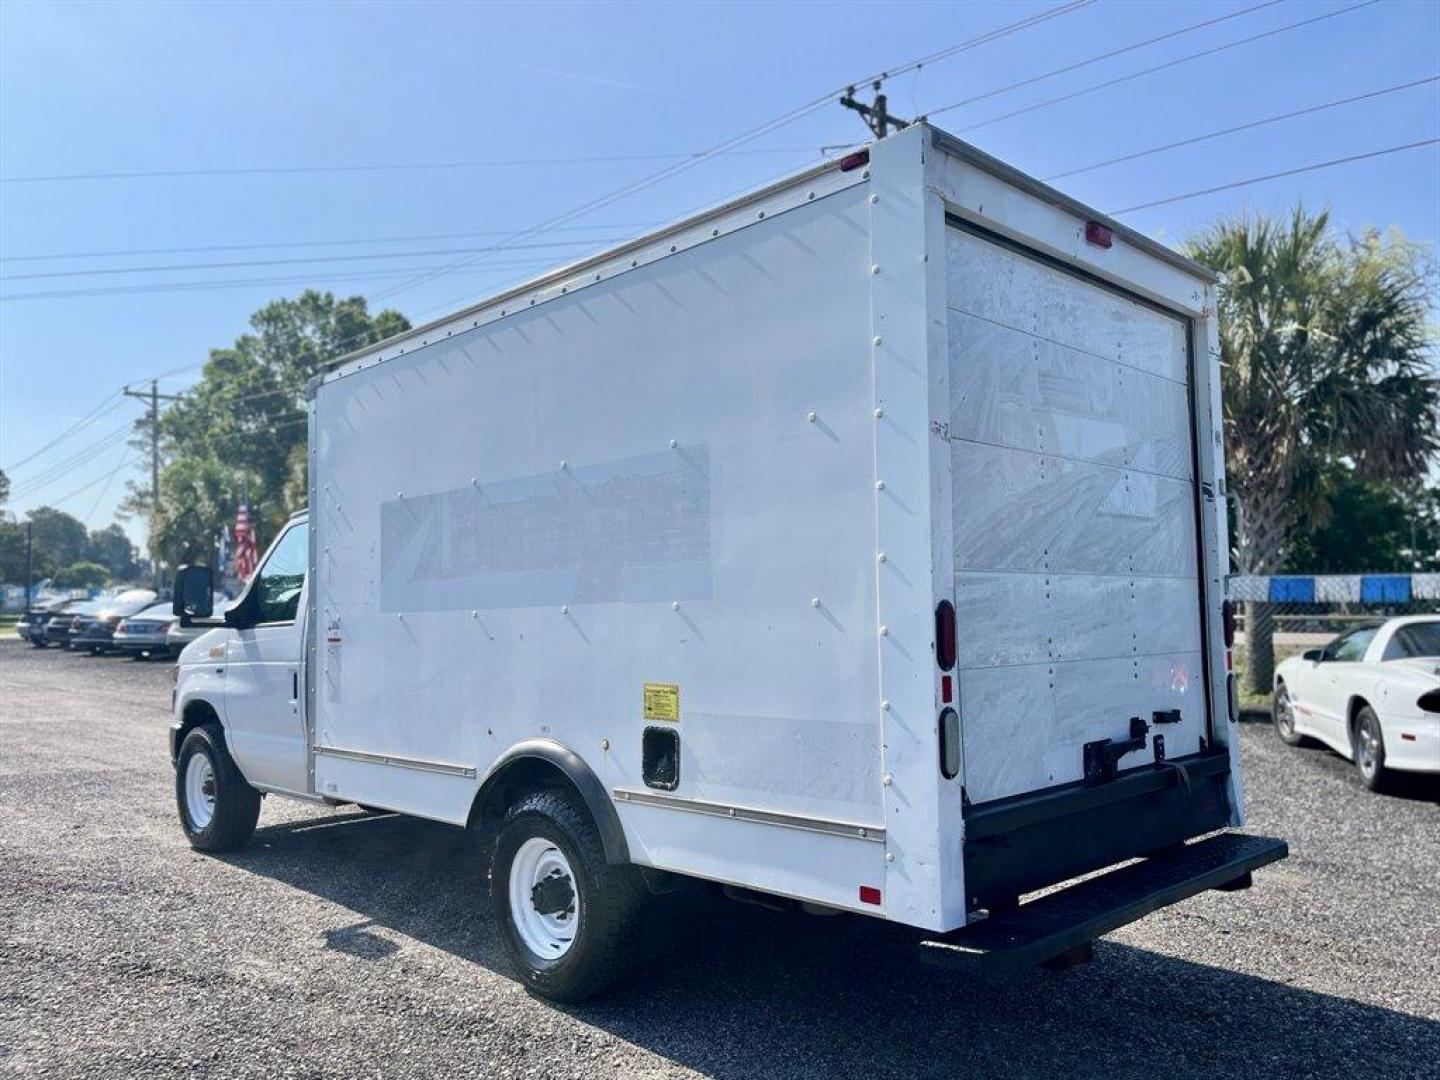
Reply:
x=737, y=992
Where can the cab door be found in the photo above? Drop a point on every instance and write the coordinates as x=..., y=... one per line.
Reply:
x=1339, y=673
x=264, y=717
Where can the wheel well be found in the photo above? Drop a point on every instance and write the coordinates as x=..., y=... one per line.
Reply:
x=542, y=764
x=1352, y=714
x=196, y=712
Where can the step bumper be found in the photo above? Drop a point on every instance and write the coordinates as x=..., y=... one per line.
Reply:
x=1069, y=918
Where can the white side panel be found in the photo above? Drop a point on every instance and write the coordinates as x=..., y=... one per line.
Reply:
x=1077, y=561
x=662, y=477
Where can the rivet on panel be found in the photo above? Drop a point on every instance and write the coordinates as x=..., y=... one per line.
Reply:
x=884, y=631
x=674, y=605
x=809, y=195
x=604, y=744
x=674, y=443
x=885, y=705
x=875, y=269
x=880, y=557
x=877, y=341
x=475, y=614
x=810, y=417
x=564, y=464
x=879, y=413
x=879, y=485
x=874, y=199
x=714, y=232
x=564, y=609
x=889, y=856
x=814, y=601
x=887, y=779
x=474, y=481
x=761, y=214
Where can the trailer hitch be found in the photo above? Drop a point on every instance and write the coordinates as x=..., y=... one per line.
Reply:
x=1103, y=755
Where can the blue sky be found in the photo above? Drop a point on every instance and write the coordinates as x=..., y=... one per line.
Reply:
x=120, y=87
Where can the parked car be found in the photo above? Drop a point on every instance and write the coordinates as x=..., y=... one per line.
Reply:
x=95, y=630
x=178, y=635
x=1371, y=695
x=144, y=634
x=62, y=622
x=31, y=625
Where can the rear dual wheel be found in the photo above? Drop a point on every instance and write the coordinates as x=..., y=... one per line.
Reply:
x=568, y=919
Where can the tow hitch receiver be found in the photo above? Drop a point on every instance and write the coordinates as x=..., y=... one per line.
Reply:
x=1063, y=922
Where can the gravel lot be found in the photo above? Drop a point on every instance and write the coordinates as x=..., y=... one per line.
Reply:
x=344, y=945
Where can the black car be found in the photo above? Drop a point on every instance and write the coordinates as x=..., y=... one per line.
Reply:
x=95, y=630
x=56, y=629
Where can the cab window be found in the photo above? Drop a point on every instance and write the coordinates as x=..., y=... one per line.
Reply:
x=1350, y=646
x=279, y=581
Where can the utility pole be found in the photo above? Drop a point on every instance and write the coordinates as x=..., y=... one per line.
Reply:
x=154, y=397
x=876, y=118
x=29, y=561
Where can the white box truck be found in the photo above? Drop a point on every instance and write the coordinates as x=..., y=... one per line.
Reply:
x=859, y=542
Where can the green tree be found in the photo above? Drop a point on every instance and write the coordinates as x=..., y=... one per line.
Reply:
x=241, y=429
x=59, y=535
x=112, y=549
x=1325, y=359
x=4, y=488
x=82, y=575
x=12, y=556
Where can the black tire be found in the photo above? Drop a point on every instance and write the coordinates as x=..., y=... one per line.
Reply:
x=237, y=804
x=39, y=644
x=608, y=900
x=374, y=811
x=1368, y=741
x=1282, y=716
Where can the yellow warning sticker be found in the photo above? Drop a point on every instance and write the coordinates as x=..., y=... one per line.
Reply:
x=662, y=701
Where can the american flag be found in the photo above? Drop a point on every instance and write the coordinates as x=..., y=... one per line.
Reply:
x=245, y=557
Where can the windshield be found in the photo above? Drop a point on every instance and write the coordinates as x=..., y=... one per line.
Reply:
x=1415, y=639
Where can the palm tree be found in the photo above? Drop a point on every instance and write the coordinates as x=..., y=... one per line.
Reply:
x=1325, y=357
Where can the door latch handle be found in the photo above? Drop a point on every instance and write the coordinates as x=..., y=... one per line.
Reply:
x=1103, y=755
x=294, y=686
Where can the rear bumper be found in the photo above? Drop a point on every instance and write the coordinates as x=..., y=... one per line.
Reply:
x=1070, y=918
x=1026, y=842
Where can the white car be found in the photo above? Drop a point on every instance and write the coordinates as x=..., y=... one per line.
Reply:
x=1372, y=694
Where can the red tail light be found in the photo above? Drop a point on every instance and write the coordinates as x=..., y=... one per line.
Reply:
x=945, y=635
x=869, y=894
x=853, y=161
x=1227, y=617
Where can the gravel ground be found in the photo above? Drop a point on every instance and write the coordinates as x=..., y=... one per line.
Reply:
x=344, y=945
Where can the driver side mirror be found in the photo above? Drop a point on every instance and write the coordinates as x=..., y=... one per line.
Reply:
x=194, y=593
x=1313, y=655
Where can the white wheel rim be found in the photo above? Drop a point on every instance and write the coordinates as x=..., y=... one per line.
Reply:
x=199, y=791
x=540, y=882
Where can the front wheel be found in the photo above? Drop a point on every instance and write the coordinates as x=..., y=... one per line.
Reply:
x=567, y=918
x=1283, y=715
x=1370, y=750
x=218, y=809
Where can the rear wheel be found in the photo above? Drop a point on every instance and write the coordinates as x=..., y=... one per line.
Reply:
x=567, y=918
x=1283, y=715
x=1369, y=743
x=218, y=809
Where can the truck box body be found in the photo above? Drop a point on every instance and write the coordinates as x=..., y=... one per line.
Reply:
x=715, y=484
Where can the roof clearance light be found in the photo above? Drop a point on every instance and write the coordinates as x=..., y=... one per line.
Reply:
x=849, y=163
x=1098, y=234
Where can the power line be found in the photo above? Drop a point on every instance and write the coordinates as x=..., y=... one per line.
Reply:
x=1102, y=56
x=1243, y=127
x=305, y=259
x=228, y=283
x=1277, y=175
x=91, y=484
x=1166, y=66
x=302, y=243
x=412, y=166
x=86, y=420
x=70, y=464
x=745, y=136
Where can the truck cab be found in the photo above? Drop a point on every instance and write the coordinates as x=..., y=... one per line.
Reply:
x=245, y=675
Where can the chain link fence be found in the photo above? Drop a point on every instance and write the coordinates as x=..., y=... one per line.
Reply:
x=1282, y=615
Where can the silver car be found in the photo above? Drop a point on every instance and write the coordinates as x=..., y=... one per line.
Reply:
x=144, y=635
